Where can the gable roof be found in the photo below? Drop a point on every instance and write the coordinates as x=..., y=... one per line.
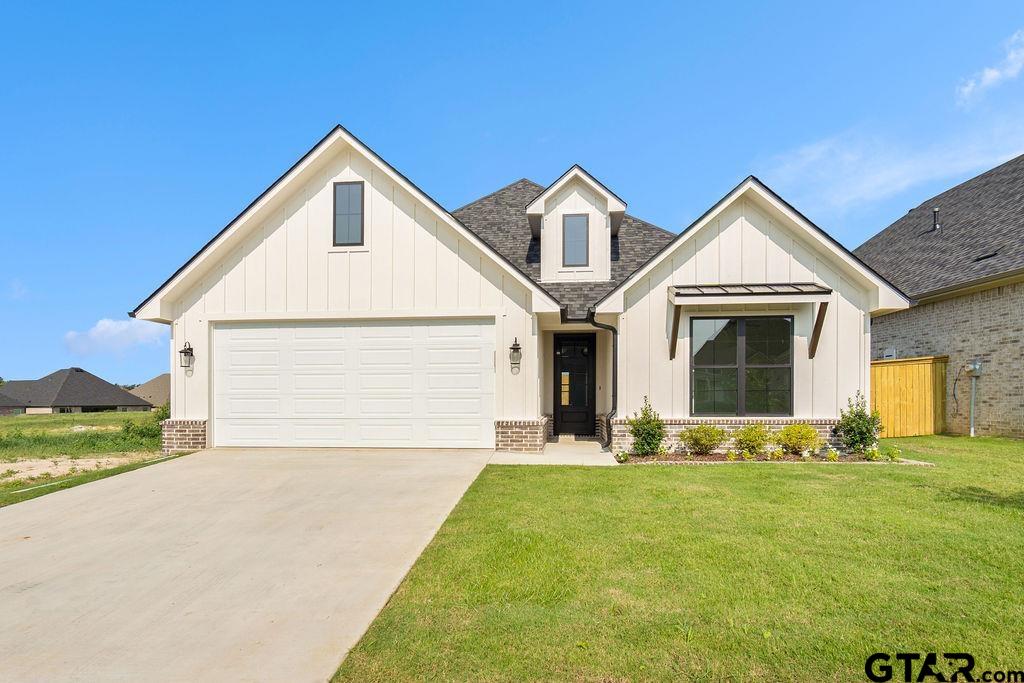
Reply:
x=500, y=219
x=338, y=135
x=980, y=217
x=70, y=387
x=156, y=391
x=616, y=206
x=893, y=297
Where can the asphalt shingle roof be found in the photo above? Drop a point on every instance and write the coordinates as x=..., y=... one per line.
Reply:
x=500, y=220
x=9, y=401
x=70, y=387
x=978, y=218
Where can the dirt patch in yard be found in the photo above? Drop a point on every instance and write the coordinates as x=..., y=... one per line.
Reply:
x=55, y=467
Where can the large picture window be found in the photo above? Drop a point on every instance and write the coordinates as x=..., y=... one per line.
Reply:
x=741, y=366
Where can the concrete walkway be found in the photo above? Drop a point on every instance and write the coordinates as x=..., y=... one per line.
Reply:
x=225, y=565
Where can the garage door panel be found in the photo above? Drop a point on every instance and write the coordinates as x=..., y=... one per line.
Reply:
x=388, y=384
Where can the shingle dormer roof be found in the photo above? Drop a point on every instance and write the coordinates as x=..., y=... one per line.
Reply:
x=981, y=236
x=500, y=219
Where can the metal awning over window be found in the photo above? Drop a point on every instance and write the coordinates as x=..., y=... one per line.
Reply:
x=755, y=293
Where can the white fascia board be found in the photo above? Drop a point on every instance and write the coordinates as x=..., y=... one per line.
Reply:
x=536, y=208
x=883, y=295
x=156, y=307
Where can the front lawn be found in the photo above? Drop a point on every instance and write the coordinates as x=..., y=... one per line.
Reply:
x=747, y=572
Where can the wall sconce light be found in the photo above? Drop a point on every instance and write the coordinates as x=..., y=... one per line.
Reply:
x=515, y=355
x=186, y=356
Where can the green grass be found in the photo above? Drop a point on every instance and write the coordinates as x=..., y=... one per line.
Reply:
x=44, y=436
x=789, y=572
x=14, y=492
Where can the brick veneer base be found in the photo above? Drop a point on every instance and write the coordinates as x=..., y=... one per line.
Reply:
x=522, y=436
x=622, y=441
x=180, y=436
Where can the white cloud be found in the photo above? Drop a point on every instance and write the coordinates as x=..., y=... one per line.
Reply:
x=991, y=76
x=16, y=290
x=854, y=167
x=115, y=336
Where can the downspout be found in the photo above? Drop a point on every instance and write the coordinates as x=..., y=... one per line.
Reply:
x=615, y=370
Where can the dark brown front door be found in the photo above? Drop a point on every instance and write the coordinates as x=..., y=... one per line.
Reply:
x=575, y=374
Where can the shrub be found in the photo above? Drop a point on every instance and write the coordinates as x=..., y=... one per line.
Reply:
x=703, y=439
x=647, y=430
x=858, y=428
x=747, y=455
x=753, y=438
x=775, y=453
x=798, y=439
x=891, y=453
x=731, y=456
x=141, y=430
x=832, y=455
x=162, y=412
x=621, y=457
x=872, y=454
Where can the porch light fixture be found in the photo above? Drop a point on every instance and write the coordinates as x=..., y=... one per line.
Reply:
x=186, y=356
x=515, y=354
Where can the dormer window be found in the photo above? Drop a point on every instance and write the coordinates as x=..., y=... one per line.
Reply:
x=575, y=239
x=575, y=219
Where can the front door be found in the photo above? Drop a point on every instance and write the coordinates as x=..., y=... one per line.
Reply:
x=575, y=374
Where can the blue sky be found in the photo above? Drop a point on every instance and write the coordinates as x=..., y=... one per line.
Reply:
x=131, y=133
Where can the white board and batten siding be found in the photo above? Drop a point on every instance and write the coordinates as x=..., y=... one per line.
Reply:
x=413, y=265
x=576, y=199
x=745, y=244
x=376, y=384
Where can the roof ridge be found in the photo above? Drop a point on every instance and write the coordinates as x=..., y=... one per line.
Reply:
x=1016, y=157
x=56, y=394
x=499, y=190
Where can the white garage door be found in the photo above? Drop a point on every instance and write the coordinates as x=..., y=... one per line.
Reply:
x=376, y=384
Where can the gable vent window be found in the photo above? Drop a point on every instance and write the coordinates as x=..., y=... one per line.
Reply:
x=348, y=214
x=575, y=239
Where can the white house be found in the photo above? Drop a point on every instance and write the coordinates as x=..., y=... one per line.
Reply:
x=345, y=307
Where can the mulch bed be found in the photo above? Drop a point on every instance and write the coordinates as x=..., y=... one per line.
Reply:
x=721, y=459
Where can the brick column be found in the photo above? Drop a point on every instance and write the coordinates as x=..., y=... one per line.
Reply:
x=182, y=436
x=522, y=436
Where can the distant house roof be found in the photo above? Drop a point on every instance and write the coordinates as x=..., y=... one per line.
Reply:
x=156, y=391
x=9, y=401
x=500, y=219
x=980, y=236
x=68, y=388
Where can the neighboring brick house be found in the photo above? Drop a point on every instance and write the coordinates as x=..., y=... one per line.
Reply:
x=960, y=256
x=71, y=390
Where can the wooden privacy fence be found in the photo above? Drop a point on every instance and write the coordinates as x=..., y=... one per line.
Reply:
x=910, y=395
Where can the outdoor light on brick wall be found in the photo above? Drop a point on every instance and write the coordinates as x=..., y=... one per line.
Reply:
x=515, y=355
x=186, y=356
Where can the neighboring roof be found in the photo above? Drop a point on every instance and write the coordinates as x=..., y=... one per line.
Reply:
x=500, y=219
x=338, y=134
x=894, y=297
x=980, y=236
x=156, y=391
x=9, y=401
x=70, y=387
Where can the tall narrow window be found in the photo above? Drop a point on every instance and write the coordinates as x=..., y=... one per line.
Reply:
x=348, y=214
x=742, y=366
x=575, y=229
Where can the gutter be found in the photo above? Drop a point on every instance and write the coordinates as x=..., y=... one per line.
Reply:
x=615, y=370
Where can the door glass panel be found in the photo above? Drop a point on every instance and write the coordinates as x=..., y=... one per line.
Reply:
x=565, y=388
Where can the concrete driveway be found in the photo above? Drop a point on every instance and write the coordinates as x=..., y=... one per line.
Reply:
x=225, y=565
